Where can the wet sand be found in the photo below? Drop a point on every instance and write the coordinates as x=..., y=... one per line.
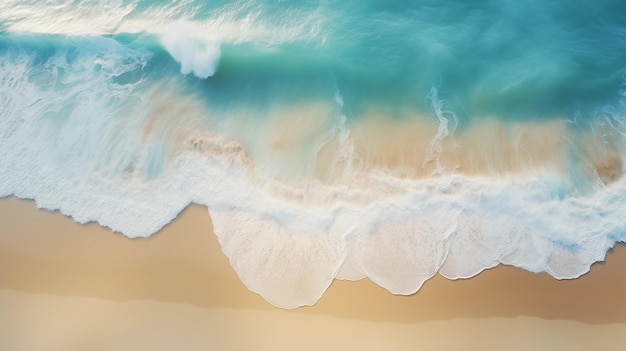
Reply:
x=66, y=286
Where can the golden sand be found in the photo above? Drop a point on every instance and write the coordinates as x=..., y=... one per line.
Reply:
x=65, y=286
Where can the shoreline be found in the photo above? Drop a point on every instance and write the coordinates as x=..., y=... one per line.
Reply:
x=186, y=253
x=58, y=275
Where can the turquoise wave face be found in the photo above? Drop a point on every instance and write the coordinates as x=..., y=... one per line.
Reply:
x=535, y=60
x=502, y=59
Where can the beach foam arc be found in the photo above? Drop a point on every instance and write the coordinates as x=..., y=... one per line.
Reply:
x=330, y=140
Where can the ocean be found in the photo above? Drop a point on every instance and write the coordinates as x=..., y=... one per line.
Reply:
x=393, y=140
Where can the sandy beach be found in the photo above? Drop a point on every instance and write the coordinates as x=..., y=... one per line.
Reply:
x=66, y=286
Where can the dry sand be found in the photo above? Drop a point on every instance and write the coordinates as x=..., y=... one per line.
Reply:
x=65, y=286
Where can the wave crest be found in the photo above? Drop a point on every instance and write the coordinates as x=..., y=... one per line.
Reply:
x=194, y=55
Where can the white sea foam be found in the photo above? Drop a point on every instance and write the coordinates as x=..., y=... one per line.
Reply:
x=238, y=22
x=435, y=147
x=63, y=16
x=194, y=55
x=75, y=139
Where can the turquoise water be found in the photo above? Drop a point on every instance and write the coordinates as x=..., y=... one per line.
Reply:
x=328, y=139
x=505, y=58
